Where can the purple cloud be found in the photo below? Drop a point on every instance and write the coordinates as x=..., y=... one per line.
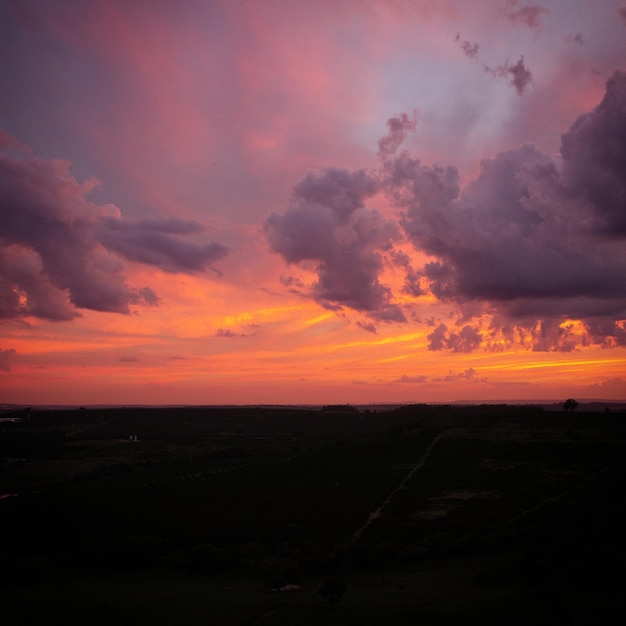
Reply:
x=327, y=223
x=60, y=252
x=552, y=336
x=518, y=75
x=367, y=326
x=594, y=158
x=528, y=243
x=340, y=190
x=159, y=243
x=607, y=332
x=485, y=239
x=412, y=280
x=399, y=127
x=467, y=340
x=528, y=15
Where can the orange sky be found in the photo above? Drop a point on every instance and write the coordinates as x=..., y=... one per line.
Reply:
x=196, y=209
x=287, y=351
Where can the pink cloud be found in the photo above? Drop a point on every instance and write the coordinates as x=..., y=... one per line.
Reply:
x=7, y=142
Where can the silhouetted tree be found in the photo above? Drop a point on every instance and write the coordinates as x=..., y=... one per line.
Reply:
x=570, y=405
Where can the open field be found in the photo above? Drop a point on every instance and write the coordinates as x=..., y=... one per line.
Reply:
x=446, y=515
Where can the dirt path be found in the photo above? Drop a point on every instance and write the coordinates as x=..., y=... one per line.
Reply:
x=413, y=468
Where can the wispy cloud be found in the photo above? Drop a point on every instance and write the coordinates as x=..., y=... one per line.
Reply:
x=518, y=75
x=529, y=15
x=470, y=50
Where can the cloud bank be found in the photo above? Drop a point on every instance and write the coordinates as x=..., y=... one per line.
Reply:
x=534, y=244
x=61, y=253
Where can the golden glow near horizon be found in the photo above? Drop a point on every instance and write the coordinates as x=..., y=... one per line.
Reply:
x=342, y=360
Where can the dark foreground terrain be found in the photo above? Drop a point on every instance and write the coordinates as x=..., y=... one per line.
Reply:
x=422, y=515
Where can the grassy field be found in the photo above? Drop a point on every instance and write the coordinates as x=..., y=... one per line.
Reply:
x=486, y=515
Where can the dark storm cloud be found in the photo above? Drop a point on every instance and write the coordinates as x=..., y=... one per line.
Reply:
x=528, y=15
x=533, y=245
x=607, y=332
x=513, y=233
x=594, y=157
x=60, y=252
x=6, y=359
x=328, y=224
x=518, y=75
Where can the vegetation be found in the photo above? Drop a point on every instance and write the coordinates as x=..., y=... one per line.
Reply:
x=439, y=514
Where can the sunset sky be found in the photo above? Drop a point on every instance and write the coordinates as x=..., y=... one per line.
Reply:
x=286, y=201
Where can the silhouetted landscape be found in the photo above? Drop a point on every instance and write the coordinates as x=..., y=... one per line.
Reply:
x=422, y=514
